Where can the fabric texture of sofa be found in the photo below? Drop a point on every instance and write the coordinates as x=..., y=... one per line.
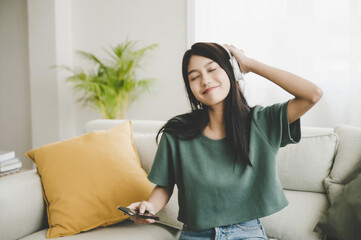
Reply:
x=310, y=172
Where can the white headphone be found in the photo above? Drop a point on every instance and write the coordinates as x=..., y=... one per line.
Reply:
x=236, y=69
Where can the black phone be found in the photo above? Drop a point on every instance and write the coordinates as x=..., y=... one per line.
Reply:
x=130, y=212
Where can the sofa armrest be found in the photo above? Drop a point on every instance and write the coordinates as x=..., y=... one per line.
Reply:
x=22, y=208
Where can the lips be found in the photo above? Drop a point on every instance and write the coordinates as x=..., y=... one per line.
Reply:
x=209, y=89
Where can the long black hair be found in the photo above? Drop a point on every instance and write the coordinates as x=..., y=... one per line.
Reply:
x=237, y=113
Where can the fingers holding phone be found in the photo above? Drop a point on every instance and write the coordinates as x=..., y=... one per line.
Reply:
x=144, y=210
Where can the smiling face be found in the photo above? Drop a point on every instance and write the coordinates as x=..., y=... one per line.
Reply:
x=208, y=82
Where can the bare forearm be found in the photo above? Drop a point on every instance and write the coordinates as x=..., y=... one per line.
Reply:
x=160, y=197
x=295, y=85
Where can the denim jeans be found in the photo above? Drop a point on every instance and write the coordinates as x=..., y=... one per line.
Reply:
x=250, y=230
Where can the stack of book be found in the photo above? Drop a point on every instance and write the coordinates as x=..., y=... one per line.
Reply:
x=9, y=163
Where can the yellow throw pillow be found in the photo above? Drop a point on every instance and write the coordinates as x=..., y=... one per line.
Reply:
x=85, y=178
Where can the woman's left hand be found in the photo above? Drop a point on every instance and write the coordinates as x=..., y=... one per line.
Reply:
x=241, y=58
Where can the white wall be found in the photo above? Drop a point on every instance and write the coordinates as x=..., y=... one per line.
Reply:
x=49, y=33
x=15, y=128
x=90, y=25
x=162, y=22
x=317, y=40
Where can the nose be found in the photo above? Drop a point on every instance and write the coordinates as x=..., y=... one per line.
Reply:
x=205, y=79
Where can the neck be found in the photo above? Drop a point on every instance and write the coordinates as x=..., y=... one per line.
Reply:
x=216, y=121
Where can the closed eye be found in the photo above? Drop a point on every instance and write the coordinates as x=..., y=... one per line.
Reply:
x=210, y=70
x=195, y=77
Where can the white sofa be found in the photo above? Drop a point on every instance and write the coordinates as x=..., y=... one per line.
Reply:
x=302, y=169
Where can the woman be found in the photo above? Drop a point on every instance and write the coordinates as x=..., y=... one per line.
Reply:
x=222, y=155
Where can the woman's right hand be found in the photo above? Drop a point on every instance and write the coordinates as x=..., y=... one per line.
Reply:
x=241, y=58
x=142, y=207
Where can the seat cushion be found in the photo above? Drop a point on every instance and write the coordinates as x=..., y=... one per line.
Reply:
x=297, y=220
x=126, y=230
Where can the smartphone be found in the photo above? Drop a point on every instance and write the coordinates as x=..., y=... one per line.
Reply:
x=130, y=212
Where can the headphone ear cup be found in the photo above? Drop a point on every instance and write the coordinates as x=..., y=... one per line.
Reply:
x=236, y=69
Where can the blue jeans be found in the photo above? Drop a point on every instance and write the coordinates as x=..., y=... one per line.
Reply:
x=250, y=230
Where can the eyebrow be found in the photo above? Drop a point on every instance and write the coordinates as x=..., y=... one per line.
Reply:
x=193, y=70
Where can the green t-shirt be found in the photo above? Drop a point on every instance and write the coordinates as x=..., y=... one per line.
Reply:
x=211, y=191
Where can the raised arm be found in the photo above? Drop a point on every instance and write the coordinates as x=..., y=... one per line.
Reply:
x=305, y=92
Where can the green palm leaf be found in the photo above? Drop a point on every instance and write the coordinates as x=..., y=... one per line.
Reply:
x=112, y=85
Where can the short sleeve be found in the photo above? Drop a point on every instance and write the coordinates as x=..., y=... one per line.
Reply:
x=272, y=121
x=162, y=172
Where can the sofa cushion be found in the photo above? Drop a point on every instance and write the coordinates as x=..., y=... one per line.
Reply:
x=347, y=159
x=348, y=153
x=342, y=219
x=126, y=230
x=305, y=165
x=85, y=178
x=297, y=220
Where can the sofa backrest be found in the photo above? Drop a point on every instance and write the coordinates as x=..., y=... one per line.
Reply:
x=304, y=166
x=301, y=167
x=144, y=134
x=138, y=126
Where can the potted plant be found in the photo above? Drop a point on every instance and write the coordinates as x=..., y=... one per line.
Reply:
x=113, y=85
